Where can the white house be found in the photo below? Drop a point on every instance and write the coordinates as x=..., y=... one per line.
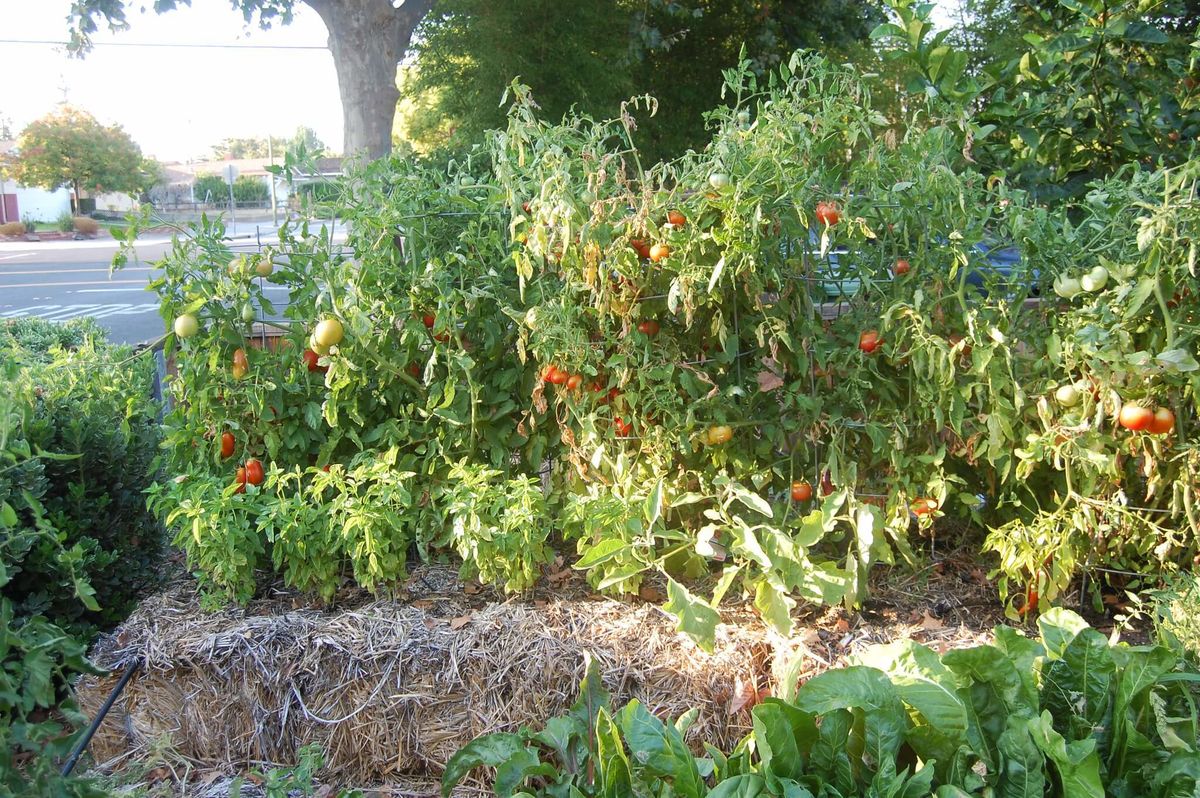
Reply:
x=17, y=201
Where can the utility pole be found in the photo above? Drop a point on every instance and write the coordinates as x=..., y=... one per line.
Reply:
x=231, y=173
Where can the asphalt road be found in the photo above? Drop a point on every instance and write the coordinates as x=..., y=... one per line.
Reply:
x=63, y=280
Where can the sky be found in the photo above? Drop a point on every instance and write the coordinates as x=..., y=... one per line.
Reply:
x=176, y=103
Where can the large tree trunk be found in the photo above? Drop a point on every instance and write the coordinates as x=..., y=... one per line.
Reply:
x=368, y=38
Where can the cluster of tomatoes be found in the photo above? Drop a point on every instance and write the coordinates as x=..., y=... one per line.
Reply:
x=1139, y=418
x=251, y=471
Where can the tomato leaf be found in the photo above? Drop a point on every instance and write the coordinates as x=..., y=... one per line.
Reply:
x=693, y=615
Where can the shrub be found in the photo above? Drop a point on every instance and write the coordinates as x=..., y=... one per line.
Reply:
x=211, y=188
x=32, y=340
x=86, y=225
x=92, y=433
x=66, y=222
x=249, y=189
x=1070, y=716
x=12, y=229
x=30, y=223
x=38, y=660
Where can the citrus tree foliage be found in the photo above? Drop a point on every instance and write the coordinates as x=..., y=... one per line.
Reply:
x=69, y=147
x=757, y=369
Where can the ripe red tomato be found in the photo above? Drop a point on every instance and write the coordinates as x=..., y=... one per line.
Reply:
x=641, y=247
x=226, y=445
x=649, y=327
x=254, y=472
x=429, y=320
x=574, y=381
x=676, y=218
x=1163, y=421
x=313, y=361
x=622, y=428
x=801, y=491
x=828, y=213
x=902, y=267
x=240, y=364
x=1135, y=417
x=869, y=341
x=525, y=207
x=554, y=375
x=414, y=370
x=240, y=479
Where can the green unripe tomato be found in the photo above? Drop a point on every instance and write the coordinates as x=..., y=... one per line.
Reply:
x=186, y=325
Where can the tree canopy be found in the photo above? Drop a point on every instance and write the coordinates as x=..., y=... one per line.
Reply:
x=592, y=54
x=259, y=147
x=70, y=147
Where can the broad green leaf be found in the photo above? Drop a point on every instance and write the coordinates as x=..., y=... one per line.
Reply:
x=1077, y=764
x=774, y=604
x=1021, y=768
x=659, y=749
x=603, y=551
x=784, y=736
x=1076, y=688
x=492, y=750
x=1059, y=627
x=693, y=616
x=746, y=785
x=923, y=682
x=867, y=690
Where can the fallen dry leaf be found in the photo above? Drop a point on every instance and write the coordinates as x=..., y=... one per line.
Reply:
x=745, y=696
x=461, y=621
x=651, y=594
x=930, y=623
x=471, y=588
x=421, y=604
x=769, y=381
x=842, y=626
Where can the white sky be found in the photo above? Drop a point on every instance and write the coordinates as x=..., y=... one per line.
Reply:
x=175, y=103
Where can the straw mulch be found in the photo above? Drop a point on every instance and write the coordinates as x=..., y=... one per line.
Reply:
x=391, y=688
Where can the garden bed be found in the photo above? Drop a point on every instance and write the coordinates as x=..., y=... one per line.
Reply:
x=392, y=688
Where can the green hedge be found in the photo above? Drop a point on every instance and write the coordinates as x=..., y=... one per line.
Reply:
x=83, y=417
x=1069, y=716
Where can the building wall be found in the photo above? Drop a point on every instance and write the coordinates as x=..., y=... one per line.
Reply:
x=112, y=201
x=42, y=205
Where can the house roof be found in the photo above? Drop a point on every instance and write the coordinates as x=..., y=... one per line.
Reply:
x=185, y=173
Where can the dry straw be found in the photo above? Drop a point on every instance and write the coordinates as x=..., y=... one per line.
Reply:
x=393, y=689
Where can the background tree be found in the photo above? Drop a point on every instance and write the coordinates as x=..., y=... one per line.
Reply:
x=592, y=54
x=367, y=38
x=241, y=148
x=69, y=147
x=306, y=137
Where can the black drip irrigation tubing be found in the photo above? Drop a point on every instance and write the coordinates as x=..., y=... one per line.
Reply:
x=91, y=730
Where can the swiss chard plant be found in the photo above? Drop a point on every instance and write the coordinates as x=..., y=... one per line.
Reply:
x=1070, y=715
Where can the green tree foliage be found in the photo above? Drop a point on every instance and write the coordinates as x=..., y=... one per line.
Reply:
x=241, y=148
x=1062, y=93
x=69, y=147
x=591, y=55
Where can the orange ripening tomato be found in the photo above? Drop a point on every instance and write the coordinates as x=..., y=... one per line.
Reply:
x=902, y=267
x=240, y=479
x=241, y=366
x=649, y=327
x=1135, y=417
x=226, y=445
x=676, y=218
x=1163, y=421
x=924, y=506
x=574, y=381
x=801, y=491
x=659, y=252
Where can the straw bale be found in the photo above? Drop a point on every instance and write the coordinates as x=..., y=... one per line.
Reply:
x=391, y=688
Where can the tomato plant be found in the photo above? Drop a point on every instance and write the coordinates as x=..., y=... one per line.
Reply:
x=718, y=379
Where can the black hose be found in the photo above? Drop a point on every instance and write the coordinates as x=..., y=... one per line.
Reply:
x=104, y=708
